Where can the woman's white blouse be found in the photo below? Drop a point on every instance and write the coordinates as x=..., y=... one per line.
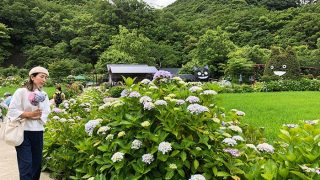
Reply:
x=20, y=103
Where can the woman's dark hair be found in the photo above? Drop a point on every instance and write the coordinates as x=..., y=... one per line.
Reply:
x=29, y=84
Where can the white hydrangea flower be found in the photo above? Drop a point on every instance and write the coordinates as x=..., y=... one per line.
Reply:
x=197, y=177
x=291, y=125
x=238, y=138
x=195, y=89
x=209, y=92
x=118, y=156
x=197, y=109
x=103, y=129
x=180, y=102
x=164, y=147
x=62, y=119
x=109, y=137
x=148, y=105
x=252, y=146
x=71, y=120
x=120, y=134
x=192, y=99
x=177, y=78
x=124, y=93
x=235, y=128
x=160, y=103
x=230, y=141
x=136, y=144
x=238, y=113
x=172, y=95
x=311, y=122
x=145, y=124
x=173, y=166
x=134, y=94
x=265, y=147
x=55, y=117
x=307, y=169
x=144, y=99
x=145, y=81
x=147, y=158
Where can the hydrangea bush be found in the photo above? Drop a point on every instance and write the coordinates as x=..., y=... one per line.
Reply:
x=160, y=129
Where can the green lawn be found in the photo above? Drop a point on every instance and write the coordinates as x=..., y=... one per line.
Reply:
x=49, y=90
x=273, y=109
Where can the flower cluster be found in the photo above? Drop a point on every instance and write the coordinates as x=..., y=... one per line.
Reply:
x=291, y=125
x=145, y=124
x=145, y=81
x=103, y=129
x=230, y=141
x=233, y=152
x=90, y=125
x=164, y=147
x=197, y=177
x=180, y=102
x=192, y=99
x=160, y=103
x=197, y=109
x=116, y=157
x=195, y=89
x=144, y=99
x=209, y=92
x=134, y=94
x=148, y=105
x=235, y=128
x=162, y=74
x=265, y=147
x=147, y=158
x=136, y=144
x=36, y=97
x=308, y=169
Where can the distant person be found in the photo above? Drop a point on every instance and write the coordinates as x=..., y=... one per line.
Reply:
x=58, y=96
x=7, y=99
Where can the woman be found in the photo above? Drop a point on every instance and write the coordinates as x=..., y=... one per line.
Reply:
x=35, y=113
x=58, y=96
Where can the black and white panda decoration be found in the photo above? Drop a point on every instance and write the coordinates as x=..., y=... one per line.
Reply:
x=201, y=73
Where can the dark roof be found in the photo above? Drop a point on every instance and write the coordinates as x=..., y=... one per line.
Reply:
x=173, y=71
x=131, y=68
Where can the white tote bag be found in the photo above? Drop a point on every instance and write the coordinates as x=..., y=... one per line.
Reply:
x=13, y=133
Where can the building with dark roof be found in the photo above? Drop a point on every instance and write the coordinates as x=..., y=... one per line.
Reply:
x=138, y=71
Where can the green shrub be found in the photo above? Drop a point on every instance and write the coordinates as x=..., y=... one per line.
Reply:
x=115, y=91
x=282, y=60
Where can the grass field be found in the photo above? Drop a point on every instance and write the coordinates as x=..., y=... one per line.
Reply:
x=50, y=90
x=272, y=110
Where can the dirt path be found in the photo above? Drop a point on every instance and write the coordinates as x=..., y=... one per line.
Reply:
x=8, y=163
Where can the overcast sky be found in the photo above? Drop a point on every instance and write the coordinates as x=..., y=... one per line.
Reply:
x=159, y=3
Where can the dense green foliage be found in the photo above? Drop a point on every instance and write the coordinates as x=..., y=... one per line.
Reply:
x=43, y=32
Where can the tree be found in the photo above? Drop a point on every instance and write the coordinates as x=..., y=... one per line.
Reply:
x=4, y=42
x=212, y=50
x=113, y=56
x=135, y=45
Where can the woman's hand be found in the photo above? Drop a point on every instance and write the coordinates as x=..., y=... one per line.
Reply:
x=36, y=114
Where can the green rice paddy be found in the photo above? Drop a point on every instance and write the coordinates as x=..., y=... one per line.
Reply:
x=273, y=109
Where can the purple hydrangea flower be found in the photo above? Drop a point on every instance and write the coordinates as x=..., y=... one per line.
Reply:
x=36, y=97
x=197, y=109
x=233, y=152
x=162, y=74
